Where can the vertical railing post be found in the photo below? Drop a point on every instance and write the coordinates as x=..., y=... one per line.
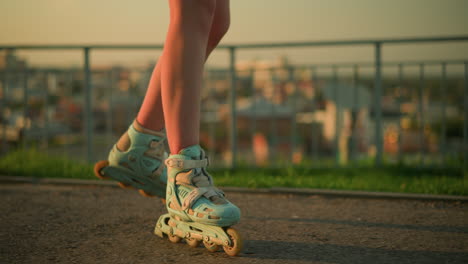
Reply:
x=338, y=119
x=273, y=151
x=421, y=114
x=46, y=112
x=377, y=104
x=68, y=92
x=210, y=122
x=3, y=107
x=109, y=124
x=465, y=119
x=7, y=86
x=253, y=126
x=399, y=100
x=295, y=94
x=232, y=101
x=315, y=137
x=355, y=116
x=25, y=108
x=88, y=105
x=443, y=132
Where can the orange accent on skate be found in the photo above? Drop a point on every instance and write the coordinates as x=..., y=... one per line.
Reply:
x=124, y=185
x=145, y=194
x=98, y=167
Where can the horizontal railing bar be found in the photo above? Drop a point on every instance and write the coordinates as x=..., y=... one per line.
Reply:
x=350, y=42
x=371, y=64
x=251, y=45
x=94, y=46
x=296, y=66
x=64, y=69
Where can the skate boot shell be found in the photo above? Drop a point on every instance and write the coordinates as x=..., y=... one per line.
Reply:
x=137, y=161
x=197, y=210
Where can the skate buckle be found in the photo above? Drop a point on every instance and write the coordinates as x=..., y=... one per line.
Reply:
x=175, y=163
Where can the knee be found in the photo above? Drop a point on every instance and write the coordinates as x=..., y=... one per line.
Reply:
x=219, y=28
x=194, y=14
x=209, y=6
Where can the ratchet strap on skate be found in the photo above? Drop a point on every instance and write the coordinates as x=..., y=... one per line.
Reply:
x=197, y=192
x=187, y=164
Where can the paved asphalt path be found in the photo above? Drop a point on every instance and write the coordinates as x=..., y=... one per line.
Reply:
x=90, y=224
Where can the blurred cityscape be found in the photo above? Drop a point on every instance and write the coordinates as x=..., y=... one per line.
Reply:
x=314, y=115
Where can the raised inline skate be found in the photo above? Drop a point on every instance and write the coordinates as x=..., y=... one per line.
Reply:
x=197, y=210
x=136, y=160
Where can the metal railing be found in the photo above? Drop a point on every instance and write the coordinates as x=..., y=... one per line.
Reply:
x=376, y=108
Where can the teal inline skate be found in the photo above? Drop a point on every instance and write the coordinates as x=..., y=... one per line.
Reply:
x=197, y=210
x=136, y=160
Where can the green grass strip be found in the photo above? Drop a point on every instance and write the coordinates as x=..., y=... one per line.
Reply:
x=37, y=164
x=387, y=179
x=453, y=181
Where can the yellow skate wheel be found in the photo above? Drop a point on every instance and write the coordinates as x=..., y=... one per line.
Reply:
x=98, y=167
x=124, y=185
x=174, y=238
x=237, y=243
x=145, y=194
x=210, y=246
x=192, y=242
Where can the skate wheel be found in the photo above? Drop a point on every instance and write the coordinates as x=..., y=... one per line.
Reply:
x=124, y=185
x=98, y=167
x=192, y=242
x=210, y=246
x=237, y=243
x=145, y=194
x=174, y=238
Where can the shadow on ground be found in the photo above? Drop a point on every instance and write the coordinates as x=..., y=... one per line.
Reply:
x=454, y=229
x=311, y=252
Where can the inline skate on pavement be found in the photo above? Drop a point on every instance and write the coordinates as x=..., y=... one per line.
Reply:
x=197, y=210
x=136, y=160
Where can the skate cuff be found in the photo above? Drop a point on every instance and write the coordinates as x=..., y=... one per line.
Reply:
x=186, y=164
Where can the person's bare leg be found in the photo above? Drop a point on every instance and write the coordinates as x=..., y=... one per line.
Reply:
x=219, y=26
x=151, y=114
x=182, y=69
x=191, y=195
x=136, y=158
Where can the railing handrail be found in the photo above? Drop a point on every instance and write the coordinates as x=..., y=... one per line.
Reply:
x=409, y=63
x=376, y=44
x=249, y=45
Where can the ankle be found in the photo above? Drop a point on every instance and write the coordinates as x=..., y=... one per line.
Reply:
x=146, y=126
x=138, y=127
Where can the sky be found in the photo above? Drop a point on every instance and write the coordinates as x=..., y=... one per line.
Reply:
x=253, y=21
